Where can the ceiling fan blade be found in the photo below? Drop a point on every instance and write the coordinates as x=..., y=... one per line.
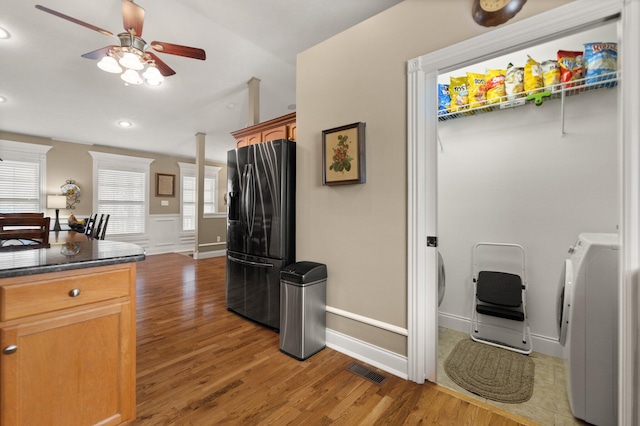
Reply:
x=132, y=17
x=176, y=49
x=164, y=69
x=75, y=21
x=100, y=53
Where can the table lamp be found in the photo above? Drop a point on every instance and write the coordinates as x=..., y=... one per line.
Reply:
x=56, y=202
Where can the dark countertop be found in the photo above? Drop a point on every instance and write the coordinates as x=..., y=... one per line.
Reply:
x=67, y=256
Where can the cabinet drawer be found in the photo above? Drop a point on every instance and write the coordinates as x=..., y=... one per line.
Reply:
x=24, y=299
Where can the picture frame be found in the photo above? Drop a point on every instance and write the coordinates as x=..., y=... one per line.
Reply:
x=343, y=155
x=165, y=185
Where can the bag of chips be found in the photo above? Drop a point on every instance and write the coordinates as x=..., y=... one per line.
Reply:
x=514, y=82
x=550, y=73
x=477, y=89
x=600, y=62
x=570, y=63
x=458, y=93
x=444, y=100
x=495, y=86
x=532, y=76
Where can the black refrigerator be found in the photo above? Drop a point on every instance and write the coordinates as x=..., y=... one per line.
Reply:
x=261, y=188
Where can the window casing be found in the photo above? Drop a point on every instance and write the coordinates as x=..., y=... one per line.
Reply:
x=189, y=194
x=121, y=190
x=23, y=177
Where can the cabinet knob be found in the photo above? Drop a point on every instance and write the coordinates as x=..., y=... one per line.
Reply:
x=10, y=349
x=75, y=292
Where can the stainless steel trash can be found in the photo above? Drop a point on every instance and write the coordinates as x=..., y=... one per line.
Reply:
x=303, y=324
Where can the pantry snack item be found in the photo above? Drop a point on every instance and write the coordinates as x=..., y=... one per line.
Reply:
x=570, y=63
x=494, y=81
x=459, y=93
x=444, y=100
x=514, y=82
x=600, y=61
x=550, y=73
x=532, y=76
x=477, y=89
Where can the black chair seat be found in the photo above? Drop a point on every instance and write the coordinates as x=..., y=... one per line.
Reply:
x=499, y=311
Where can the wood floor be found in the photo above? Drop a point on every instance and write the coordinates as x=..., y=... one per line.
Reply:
x=198, y=364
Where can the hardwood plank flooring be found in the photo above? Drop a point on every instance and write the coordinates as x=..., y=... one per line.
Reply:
x=198, y=364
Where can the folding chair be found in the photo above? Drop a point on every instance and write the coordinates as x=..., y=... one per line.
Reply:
x=500, y=297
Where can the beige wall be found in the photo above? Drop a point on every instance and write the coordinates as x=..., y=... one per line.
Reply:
x=66, y=160
x=359, y=231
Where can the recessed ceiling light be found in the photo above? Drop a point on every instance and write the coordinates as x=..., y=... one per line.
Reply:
x=292, y=107
x=231, y=105
x=4, y=33
x=124, y=123
x=3, y=99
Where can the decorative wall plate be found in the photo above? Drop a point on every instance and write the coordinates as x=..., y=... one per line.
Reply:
x=72, y=192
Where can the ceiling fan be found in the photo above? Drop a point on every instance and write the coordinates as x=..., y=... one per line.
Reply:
x=132, y=53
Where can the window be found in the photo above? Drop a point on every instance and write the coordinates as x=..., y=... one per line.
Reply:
x=22, y=177
x=189, y=195
x=120, y=190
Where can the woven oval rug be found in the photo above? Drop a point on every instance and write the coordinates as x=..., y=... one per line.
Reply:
x=493, y=373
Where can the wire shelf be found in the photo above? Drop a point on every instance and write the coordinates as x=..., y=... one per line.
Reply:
x=557, y=91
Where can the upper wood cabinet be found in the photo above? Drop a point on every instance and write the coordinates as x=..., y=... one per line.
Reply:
x=279, y=128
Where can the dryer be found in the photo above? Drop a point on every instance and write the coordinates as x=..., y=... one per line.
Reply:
x=588, y=326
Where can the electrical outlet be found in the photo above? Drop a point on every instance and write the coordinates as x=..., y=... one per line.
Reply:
x=164, y=202
x=218, y=238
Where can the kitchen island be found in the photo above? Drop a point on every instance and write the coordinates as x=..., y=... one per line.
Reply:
x=67, y=334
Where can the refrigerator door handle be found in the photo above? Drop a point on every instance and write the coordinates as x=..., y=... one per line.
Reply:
x=248, y=262
x=249, y=204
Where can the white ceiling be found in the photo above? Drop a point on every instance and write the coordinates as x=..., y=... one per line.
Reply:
x=53, y=92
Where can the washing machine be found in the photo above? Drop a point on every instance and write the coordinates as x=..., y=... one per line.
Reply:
x=588, y=327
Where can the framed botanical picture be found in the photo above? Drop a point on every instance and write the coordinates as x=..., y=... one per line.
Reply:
x=343, y=155
x=165, y=185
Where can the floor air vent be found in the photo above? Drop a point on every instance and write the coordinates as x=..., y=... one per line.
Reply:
x=367, y=373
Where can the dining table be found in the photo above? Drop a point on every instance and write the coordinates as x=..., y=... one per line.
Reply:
x=67, y=236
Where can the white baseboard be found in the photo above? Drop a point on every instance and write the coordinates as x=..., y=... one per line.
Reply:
x=541, y=344
x=373, y=355
x=208, y=254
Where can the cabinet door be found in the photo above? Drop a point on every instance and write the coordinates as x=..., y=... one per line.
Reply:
x=292, y=131
x=255, y=138
x=74, y=369
x=240, y=142
x=279, y=132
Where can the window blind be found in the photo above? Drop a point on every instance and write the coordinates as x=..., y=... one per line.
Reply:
x=121, y=194
x=19, y=186
x=189, y=200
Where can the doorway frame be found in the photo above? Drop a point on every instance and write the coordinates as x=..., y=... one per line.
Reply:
x=422, y=143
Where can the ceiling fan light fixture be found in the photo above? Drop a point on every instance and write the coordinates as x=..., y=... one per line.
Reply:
x=131, y=61
x=109, y=64
x=152, y=76
x=131, y=77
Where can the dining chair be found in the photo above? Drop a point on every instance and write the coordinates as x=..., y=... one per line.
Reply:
x=89, y=224
x=27, y=231
x=101, y=229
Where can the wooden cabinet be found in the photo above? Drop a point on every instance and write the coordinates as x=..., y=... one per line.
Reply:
x=279, y=128
x=68, y=347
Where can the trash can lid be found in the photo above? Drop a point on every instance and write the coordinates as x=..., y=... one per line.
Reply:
x=304, y=272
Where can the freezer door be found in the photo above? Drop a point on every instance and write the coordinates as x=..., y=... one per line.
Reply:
x=253, y=288
x=261, y=193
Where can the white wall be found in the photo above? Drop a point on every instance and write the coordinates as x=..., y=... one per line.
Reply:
x=510, y=176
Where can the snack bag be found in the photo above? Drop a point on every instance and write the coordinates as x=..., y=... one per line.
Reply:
x=514, y=82
x=477, y=89
x=532, y=76
x=550, y=73
x=495, y=86
x=458, y=93
x=600, y=62
x=570, y=63
x=444, y=100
